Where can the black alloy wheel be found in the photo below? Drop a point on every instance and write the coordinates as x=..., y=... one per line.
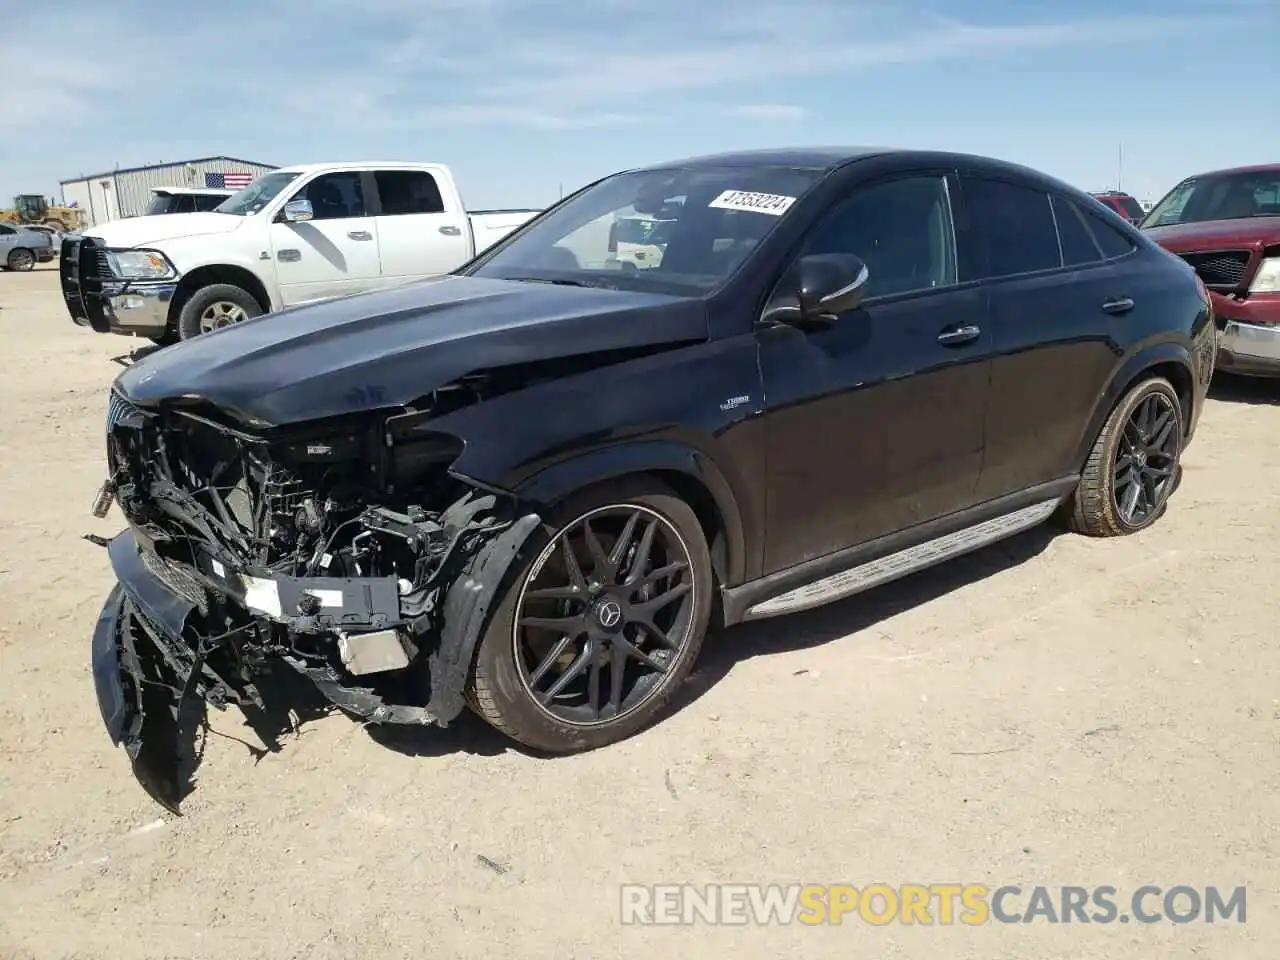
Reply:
x=1146, y=459
x=598, y=627
x=1134, y=465
x=602, y=625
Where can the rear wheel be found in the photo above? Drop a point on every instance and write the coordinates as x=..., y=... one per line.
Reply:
x=1134, y=465
x=21, y=259
x=601, y=627
x=214, y=307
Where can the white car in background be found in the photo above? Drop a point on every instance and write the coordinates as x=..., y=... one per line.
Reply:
x=295, y=235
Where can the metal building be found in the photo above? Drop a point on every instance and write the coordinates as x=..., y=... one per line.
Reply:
x=127, y=192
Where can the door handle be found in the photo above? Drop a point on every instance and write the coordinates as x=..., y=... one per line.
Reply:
x=360, y=235
x=1120, y=305
x=451, y=231
x=955, y=335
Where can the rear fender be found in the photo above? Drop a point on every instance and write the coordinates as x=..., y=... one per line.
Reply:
x=1157, y=354
x=552, y=484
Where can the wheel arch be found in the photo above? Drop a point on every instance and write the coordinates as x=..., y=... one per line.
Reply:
x=690, y=473
x=1170, y=360
x=201, y=277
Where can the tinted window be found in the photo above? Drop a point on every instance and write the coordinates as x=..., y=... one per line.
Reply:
x=7, y=231
x=334, y=196
x=902, y=231
x=1131, y=208
x=1112, y=241
x=1077, y=242
x=207, y=201
x=1017, y=227
x=408, y=191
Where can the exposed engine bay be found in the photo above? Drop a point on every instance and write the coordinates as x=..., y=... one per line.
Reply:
x=344, y=549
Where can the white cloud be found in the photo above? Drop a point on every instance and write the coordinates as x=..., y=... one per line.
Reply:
x=769, y=112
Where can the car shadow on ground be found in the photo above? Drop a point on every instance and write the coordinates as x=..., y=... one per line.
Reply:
x=1232, y=388
x=724, y=649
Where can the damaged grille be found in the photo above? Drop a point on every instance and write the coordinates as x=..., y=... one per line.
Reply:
x=177, y=579
x=1220, y=269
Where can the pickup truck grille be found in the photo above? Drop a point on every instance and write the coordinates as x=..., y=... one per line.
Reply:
x=1220, y=269
x=82, y=269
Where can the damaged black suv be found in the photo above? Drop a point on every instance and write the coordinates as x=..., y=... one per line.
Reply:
x=532, y=486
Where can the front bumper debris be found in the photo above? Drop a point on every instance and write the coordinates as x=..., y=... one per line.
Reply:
x=170, y=638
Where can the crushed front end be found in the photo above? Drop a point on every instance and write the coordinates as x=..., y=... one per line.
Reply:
x=345, y=550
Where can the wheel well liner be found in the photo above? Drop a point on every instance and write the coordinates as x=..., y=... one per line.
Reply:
x=690, y=473
x=217, y=273
x=1168, y=360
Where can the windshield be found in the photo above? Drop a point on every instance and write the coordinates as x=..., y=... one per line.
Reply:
x=250, y=200
x=693, y=226
x=1227, y=196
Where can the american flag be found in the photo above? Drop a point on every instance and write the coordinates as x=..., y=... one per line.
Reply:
x=228, y=181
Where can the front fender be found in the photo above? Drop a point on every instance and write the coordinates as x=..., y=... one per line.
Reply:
x=1128, y=370
x=554, y=483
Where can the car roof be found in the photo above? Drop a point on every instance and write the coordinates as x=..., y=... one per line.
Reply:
x=832, y=158
x=1255, y=168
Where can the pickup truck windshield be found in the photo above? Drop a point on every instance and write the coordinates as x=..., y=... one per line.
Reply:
x=680, y=231
x=250, y=200
x=1228, y=196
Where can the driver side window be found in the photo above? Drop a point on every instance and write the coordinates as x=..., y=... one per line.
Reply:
x=335, y=196
x=901, y=229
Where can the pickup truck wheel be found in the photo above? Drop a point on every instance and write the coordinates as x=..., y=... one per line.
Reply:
x=215, y=306
x=1134, y=465
x=599, y=629
x=21, y=259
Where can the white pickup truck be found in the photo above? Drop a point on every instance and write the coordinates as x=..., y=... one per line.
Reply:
x=294, y=235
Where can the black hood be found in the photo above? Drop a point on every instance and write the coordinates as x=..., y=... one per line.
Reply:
x=388, y=348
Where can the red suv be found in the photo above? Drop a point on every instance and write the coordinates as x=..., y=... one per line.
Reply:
x=1226, y=224
x=1121, y=203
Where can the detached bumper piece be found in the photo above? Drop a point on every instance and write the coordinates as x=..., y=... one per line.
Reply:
x=172, y=638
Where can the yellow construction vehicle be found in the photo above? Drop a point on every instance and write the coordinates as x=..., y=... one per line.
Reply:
x=31, y=208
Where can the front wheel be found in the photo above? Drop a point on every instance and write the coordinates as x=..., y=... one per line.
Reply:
x=214, y=307
x=601, y=627
x=1134, y=465
x=21, y=260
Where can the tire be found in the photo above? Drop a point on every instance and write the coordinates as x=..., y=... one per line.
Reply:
x=232, y=300
x=21, y=260
x=1097, y=508
x=499, y=689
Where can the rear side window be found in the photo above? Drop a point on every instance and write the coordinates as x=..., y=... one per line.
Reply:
x=1112, y=241
x=408, y=191
x=7, y=231
x=1078, y=247
x=206, y=202
x=1018, y=231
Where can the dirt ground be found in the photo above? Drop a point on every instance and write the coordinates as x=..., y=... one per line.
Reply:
x=1053, y=710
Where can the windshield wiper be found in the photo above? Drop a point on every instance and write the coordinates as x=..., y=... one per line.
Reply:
x=562, y=283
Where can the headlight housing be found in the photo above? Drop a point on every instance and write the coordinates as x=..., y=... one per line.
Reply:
x=140, y=265
x=1267, y=279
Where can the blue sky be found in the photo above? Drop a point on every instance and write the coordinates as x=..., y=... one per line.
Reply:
x=522, y=97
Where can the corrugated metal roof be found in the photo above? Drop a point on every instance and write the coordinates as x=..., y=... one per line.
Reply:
x=163, y=166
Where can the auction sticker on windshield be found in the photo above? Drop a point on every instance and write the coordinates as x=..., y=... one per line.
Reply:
x=770, y=203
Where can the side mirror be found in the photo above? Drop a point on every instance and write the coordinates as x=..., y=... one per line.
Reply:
x=830, y=284
x=817, y=289
x=297, y=210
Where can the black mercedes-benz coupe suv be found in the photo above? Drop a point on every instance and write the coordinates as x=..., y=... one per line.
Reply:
x=532, y=485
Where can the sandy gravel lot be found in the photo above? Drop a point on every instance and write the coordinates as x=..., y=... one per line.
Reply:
x=1051, y=711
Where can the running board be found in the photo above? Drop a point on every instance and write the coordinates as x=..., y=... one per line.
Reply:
x=837, y=586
